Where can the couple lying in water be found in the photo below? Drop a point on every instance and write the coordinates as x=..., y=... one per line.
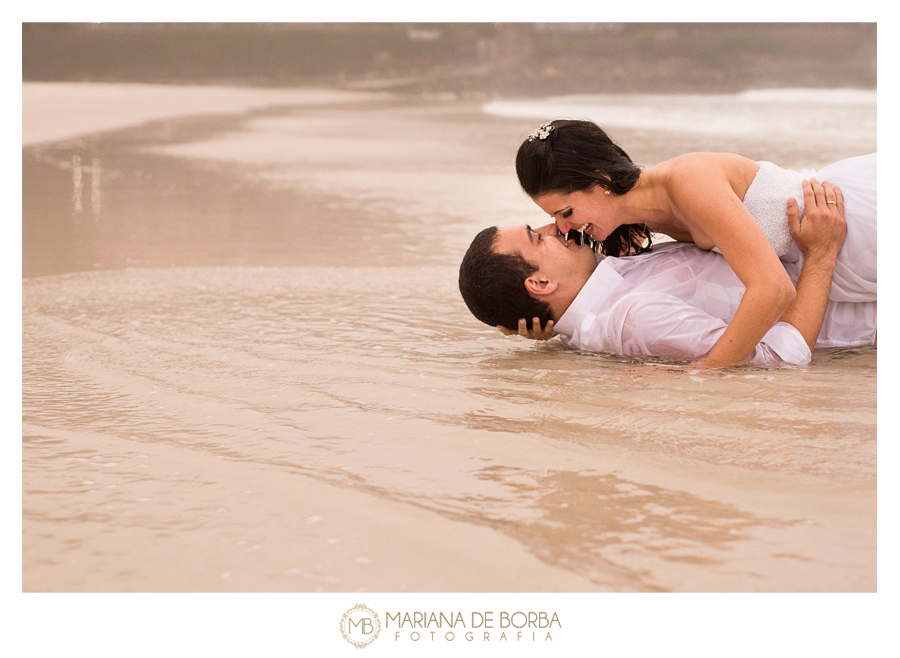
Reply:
x=765, y=265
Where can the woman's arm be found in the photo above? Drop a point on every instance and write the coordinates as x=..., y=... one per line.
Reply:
x=820, y=238
x=705, y=201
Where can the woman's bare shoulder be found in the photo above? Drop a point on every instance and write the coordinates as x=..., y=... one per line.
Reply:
x=705, y=161
x=707, y=170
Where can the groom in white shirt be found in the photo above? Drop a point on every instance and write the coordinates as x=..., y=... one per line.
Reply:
x=673, y=301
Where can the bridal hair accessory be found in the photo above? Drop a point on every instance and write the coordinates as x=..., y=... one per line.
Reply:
x=542, y=132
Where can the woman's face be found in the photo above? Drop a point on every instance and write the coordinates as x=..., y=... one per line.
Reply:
x=588, y=210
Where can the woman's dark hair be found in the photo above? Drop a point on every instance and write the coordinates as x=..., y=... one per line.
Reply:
x=575, y=156
x=492, y=285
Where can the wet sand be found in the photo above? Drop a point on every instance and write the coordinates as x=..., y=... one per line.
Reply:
x=481, y=560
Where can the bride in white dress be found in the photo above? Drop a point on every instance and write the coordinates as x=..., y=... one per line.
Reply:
x=575, y=173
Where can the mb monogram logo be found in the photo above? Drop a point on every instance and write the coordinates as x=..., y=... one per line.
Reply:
x=360, y=626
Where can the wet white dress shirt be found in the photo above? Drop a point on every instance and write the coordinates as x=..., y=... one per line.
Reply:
x=677, y=300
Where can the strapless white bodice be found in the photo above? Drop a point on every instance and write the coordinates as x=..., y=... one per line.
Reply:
x=767, y=198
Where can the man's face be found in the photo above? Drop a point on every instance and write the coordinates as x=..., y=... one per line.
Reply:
x=570, y=265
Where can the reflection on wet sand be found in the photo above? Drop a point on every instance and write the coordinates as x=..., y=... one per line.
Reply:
x=217, y=362
x=589, y=519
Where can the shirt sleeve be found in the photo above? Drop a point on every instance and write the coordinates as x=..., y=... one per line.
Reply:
x=657, y=324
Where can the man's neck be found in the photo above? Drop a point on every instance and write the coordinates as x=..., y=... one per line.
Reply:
x=565, y=295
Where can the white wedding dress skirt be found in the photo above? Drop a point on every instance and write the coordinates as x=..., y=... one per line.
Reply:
x=856, y=271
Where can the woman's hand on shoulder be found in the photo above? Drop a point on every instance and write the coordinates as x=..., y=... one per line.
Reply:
x=535, y=333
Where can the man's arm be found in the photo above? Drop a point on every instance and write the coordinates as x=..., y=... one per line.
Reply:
x=820, y=237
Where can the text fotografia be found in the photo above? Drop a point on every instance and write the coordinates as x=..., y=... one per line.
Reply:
x=479, y=626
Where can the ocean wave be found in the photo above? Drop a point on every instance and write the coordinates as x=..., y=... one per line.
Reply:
x=844, y=96
x=751, y=113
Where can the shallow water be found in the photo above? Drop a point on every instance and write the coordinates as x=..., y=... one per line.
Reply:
x=246, y=367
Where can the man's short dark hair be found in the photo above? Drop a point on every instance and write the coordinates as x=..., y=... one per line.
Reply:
x=493, y=285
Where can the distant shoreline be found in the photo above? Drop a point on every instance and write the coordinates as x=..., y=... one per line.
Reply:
x=55, y=111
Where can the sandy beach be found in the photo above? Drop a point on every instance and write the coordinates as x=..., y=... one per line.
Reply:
x=53, y=111
x=246, y=368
